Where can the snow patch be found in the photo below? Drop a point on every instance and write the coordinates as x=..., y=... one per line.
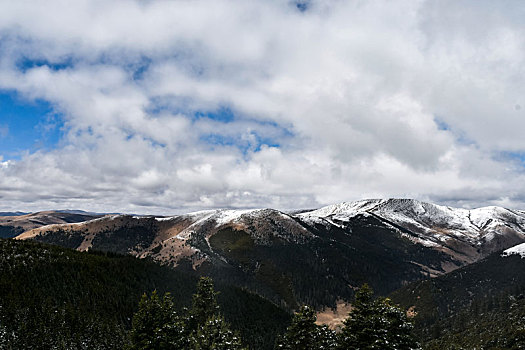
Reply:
x=165, y=218
x=228, y=216
x=199, y=217
x=516, y=250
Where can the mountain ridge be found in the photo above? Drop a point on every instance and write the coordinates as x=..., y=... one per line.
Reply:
x=13, y=225
x=296, y=257
x=478, y=231
x=466, y=235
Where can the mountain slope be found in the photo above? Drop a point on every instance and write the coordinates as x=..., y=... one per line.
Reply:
x=53, y=296
x=315, y=257
x=467, y=235
x=481, y=305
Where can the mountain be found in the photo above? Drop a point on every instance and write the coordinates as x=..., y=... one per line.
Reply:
x=316, y=256
x=15, y=224
x=12, y=213
x=467, y=235
x=479, y=306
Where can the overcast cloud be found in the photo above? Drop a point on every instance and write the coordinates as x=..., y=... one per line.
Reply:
x=171, y=106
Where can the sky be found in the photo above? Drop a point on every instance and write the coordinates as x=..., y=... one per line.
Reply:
x=165, y=107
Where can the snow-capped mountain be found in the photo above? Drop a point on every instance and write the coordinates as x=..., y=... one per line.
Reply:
x=466, y=234
x=292, y=258
x=169, y=239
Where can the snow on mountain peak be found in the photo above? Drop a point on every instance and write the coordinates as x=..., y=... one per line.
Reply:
x=348, y=209
x=233, y=215
x=430, y=222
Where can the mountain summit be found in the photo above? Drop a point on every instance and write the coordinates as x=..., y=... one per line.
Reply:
x=294, y=258
x=466, y=234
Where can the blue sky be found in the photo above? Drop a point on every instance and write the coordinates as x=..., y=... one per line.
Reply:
x=165, y=107
x=28, y=125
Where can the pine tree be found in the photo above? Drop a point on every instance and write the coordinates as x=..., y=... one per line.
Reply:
x=326, y=338
x=208, y=328
x=156, y=325
x=376, y=324
x=304, y=334
x=204, y=303
x=215, y=334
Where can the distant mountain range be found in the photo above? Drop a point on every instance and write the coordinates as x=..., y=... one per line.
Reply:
x=13, y=225
x=12, y=213
x=314, y=256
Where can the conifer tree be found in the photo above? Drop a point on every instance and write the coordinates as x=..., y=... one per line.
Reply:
x=204, y=303
x=305, y=334
x=215, y=334
x=208, y=328
x=326, y=338
x=376, y=324
x=156, y=325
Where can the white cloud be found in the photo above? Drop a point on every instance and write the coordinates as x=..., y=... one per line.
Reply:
x=336, y=103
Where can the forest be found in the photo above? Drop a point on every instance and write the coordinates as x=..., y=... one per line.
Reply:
x=53, y=297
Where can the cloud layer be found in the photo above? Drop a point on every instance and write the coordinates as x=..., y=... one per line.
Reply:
x=170, y=106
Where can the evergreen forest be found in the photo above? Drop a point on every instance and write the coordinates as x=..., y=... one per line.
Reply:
x=53, y=297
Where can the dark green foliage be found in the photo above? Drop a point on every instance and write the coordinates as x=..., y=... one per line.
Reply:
x=122, y=239
x=257, y=320
x=287, y=268
x=304, y=334
x=64, y=238
x=204, y=302
x=51, y=295
x=156, y=325
x=373, y=324
x=215, y=334
x=138, y=233
x=480, y=306
x=376, y=324
x=207, y=328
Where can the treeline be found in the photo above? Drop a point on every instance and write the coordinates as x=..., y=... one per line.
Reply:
x=57, y=298
x=373, y=323
x=158, y=325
